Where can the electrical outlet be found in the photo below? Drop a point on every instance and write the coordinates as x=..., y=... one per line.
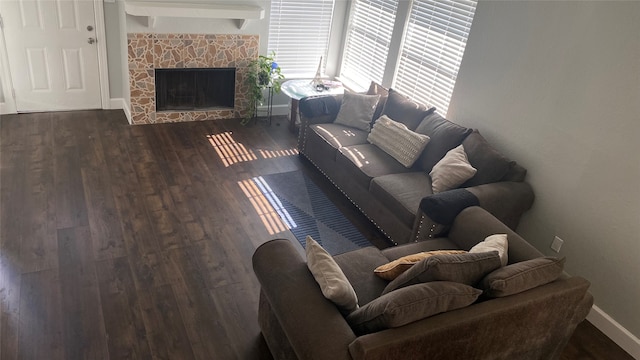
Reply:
x=556, y=244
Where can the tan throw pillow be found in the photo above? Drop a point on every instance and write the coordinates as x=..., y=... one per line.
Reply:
x=522, y=276
x=357, y=110
x=451, y=171
x=466, y=269
x=410, y=304
x=334, y=284
x=397, y=140
x=393, y=269
x=496, y=242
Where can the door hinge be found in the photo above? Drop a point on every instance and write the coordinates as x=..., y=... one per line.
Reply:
x=1, y=22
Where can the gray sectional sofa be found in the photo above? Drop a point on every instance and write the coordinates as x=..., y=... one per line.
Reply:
x=400, y=200
x=534, y=320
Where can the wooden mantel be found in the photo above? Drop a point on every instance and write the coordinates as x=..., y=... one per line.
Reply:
x=152, y=10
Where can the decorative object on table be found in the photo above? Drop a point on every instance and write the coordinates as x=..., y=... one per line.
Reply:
x=264, y=74
x=316, y=82
x=308, y=211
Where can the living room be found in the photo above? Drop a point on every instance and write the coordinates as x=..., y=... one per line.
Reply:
x=554, y=85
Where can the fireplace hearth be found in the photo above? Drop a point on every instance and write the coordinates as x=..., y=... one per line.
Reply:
x=195, y=89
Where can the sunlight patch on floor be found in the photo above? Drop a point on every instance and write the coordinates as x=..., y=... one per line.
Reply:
x=275, y=219
x=232, y=152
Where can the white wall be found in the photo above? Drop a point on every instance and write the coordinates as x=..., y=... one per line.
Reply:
x=556, y=86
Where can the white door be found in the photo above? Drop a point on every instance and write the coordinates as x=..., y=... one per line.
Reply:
x=53, y=57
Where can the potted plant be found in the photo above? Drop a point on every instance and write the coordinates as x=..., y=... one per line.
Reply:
x=264, y=73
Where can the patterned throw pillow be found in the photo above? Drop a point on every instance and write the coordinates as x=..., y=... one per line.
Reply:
x=334, y=284
x=397, y=140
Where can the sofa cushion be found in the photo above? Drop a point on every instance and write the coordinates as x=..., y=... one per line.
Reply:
x=401, y=193
x=410, y=304
x=357, y=110
x=466, y=269
x=451, y=171
x=361, y=163
x=444, y=135
x=397, y=140
x=492, y=166
x=441, y=243
x=393, y=269
x=358, y=266
x=404, y=110
x=377, y=89
x=495, y=242
x=337, y=136
x=522, y=276
x=334, y=284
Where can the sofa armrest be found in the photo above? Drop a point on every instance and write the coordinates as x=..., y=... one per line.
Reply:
x=505, y=200
x=313, y=325
x=535, y=324
x=316, y=110
x=320, y=109
x=474, y=224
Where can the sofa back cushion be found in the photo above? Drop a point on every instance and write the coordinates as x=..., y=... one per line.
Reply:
x=522, y=276
x=444, y=135
x=410, y=304
x=404, y=110
x=377, y=89
x=466, y=269
x=492, y=166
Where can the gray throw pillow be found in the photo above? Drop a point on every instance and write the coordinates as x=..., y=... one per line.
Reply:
x=466, y=269
x=411, y=303
x=357, y=110
x=492, y=166
x=522, y=276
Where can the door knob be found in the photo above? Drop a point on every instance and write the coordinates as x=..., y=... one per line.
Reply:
x=91, y=40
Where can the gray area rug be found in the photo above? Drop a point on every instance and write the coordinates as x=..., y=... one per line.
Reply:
x=308, y=211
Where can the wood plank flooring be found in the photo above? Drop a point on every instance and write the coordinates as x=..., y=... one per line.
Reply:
x=135, y=242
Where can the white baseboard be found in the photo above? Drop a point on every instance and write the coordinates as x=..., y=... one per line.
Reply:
x=120, y=103
x=7, y=108
x=616, y=332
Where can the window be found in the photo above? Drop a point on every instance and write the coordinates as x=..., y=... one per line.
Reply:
x=368, y=38
x=434, y=43
x=299, y=35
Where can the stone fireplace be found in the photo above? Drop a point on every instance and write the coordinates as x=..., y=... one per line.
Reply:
x=148, y=52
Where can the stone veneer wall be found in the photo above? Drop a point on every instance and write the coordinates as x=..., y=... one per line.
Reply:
x=168, y=51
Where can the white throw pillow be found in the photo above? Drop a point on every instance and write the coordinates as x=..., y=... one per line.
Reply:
x=334, y=284
x=451, y=171
x=357, y=110
x=397, y=140
x=497, y=242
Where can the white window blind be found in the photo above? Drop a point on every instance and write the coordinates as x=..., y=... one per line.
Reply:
x=367, y=44
x=299, y=35
x=434, y=43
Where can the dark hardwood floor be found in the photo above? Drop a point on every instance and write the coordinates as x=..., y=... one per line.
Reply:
x=135, y=242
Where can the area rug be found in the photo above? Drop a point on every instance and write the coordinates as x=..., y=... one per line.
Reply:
x=308, y=211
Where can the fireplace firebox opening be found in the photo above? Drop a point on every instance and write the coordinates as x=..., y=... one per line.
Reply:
x=195, y=89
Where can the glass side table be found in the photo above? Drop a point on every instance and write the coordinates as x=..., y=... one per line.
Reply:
x=297, y=90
